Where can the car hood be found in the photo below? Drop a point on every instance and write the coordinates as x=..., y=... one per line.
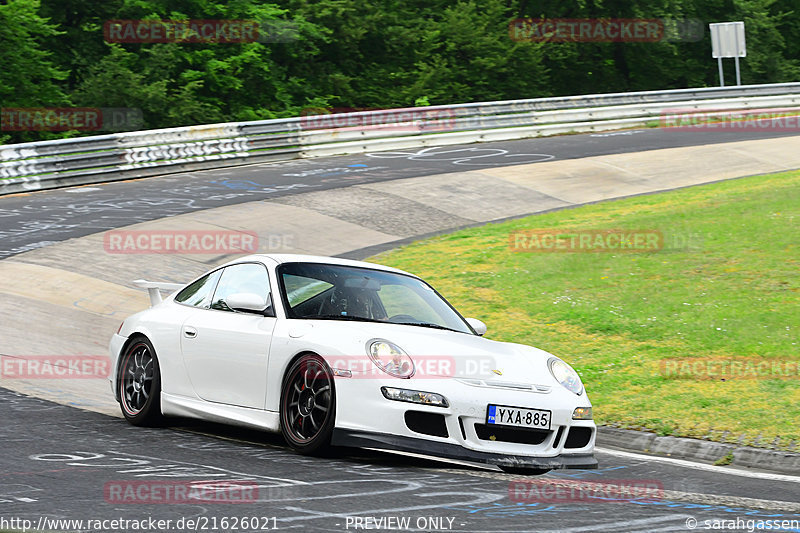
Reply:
x=435, y=352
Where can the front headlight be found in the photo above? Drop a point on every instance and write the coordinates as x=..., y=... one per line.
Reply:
x=566, y=375
x=390, y=358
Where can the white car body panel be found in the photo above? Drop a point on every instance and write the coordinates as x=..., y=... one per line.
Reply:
x=226, y=358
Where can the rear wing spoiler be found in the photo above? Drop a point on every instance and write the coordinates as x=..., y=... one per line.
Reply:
x=154, y=289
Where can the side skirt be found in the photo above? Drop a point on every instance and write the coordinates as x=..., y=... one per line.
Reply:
x=172, y=405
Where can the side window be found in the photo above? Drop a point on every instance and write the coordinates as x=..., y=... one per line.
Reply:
x=244, y=278
x=198, y=294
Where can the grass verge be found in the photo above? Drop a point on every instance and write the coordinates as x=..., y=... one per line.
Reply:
x=724, y=288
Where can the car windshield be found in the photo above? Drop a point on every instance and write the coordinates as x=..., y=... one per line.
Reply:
x=336, y=292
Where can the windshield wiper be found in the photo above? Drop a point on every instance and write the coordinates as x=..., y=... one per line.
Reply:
x=365, y=319
x=428, y=325
x=343, y=317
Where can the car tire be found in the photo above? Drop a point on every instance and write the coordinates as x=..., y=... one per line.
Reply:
x=523, y=471
x=139, y=383
x=308, y=405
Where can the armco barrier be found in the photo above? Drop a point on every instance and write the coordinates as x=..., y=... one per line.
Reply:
x=63, y=162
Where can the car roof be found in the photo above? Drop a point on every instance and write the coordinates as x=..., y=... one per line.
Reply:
x=301, y=258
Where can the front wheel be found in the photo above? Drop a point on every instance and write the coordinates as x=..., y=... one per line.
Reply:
x=308, y=405
x=139, y=383
x=523, y=471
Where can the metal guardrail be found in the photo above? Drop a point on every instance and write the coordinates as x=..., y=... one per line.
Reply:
x=51, y=164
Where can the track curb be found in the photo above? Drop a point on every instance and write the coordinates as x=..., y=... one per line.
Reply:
x=698, y=450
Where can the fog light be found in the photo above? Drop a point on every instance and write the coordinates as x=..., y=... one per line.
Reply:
x=414, y=396
x=582, y=413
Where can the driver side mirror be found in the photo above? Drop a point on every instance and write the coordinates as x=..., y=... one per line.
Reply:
x=477, y=325
x=248, y=302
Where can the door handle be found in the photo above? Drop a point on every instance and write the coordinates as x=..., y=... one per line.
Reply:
x=190, y=332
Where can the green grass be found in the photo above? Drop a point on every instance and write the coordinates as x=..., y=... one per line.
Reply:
x=725, y=460
x=726, y=285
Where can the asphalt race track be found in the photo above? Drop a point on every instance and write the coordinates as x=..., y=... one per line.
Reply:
x=35, y=220
x=62, y=463
x=58, y=461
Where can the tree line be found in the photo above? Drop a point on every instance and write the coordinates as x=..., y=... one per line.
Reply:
x=358, y=54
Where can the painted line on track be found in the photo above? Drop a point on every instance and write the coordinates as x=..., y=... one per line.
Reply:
x=666, y=496
x=701, y=466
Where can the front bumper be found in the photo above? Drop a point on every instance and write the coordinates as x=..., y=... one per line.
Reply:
x=365, y=418
x=365, y=439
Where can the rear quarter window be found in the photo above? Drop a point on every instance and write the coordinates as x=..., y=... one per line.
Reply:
x=198, y=293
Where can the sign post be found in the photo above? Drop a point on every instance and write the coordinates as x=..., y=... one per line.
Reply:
x=727, y=40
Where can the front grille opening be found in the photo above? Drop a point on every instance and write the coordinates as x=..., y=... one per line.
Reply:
x=559, y=434
x=461, y=425
x=578, y=437
x=426, y=423
x=515, y=435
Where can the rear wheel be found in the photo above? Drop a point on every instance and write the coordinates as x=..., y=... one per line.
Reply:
x=522, y=471
x=308, y=405
x=139, y=383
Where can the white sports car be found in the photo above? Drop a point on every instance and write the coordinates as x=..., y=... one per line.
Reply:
x=332, y=352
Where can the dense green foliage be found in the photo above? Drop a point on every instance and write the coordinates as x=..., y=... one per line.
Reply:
x=359, y=54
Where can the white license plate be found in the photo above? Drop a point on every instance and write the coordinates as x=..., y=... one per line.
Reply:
x=502, y=415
